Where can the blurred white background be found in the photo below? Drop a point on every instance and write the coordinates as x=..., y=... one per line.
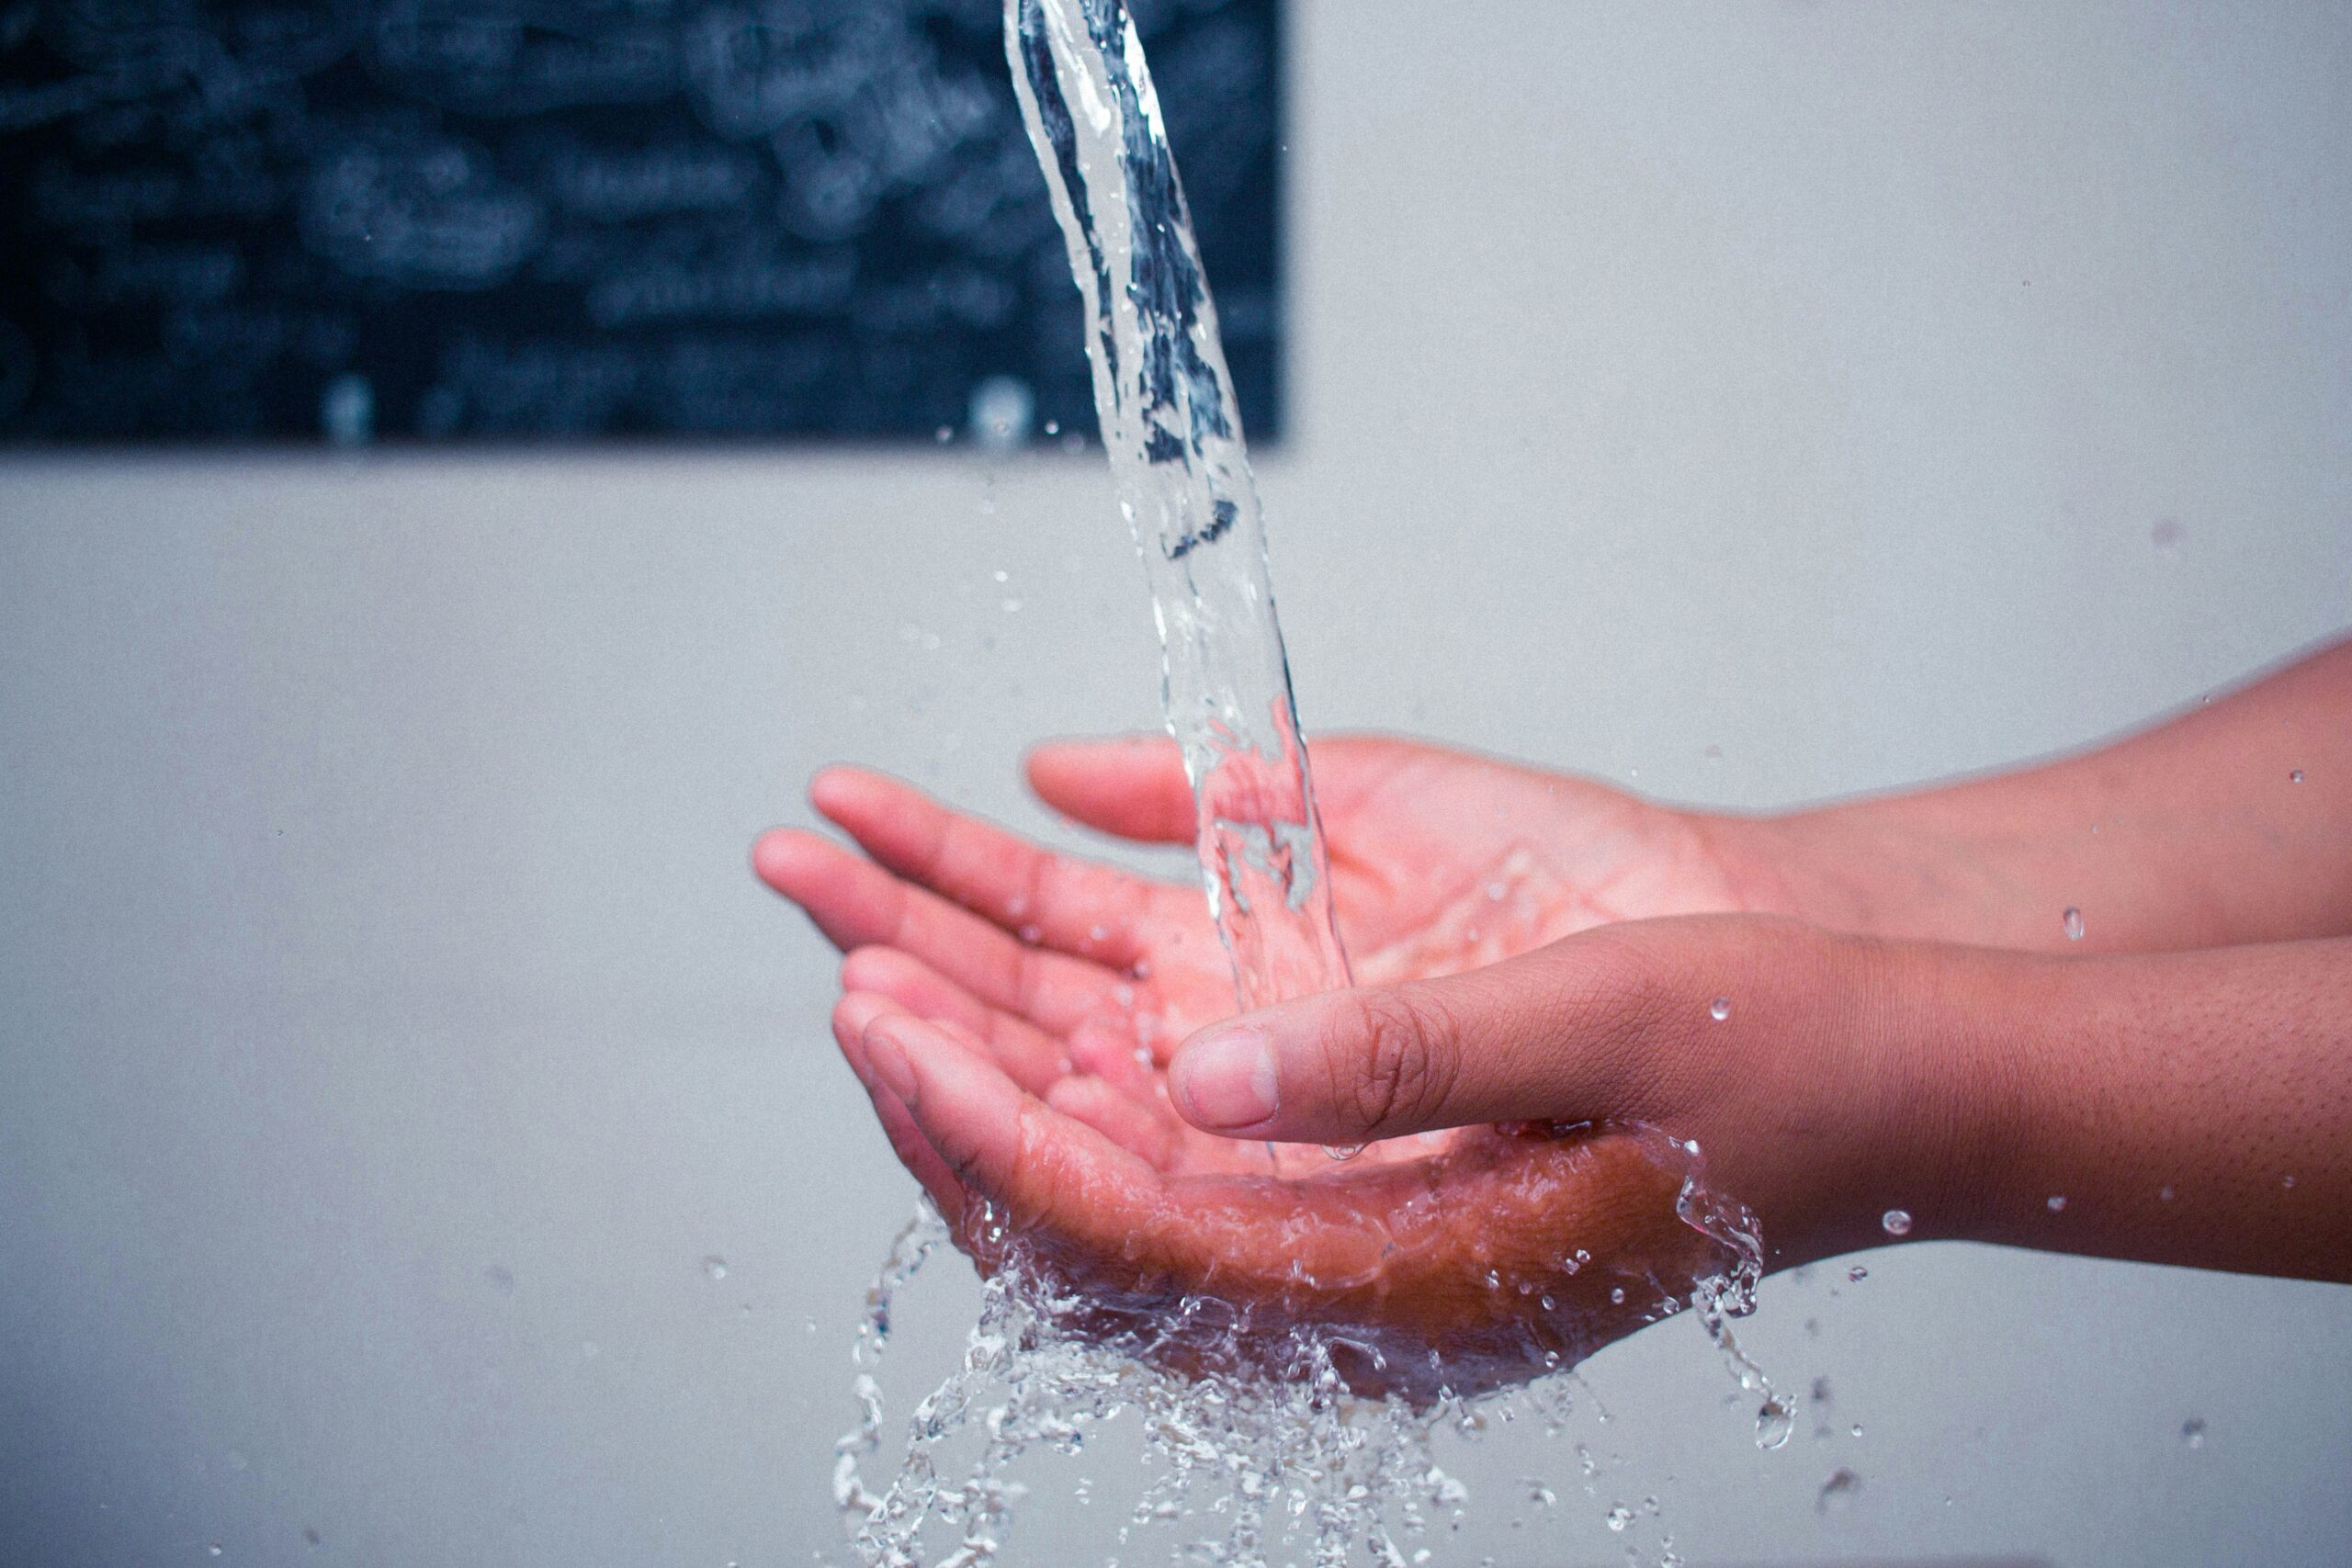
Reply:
x=390, y=1028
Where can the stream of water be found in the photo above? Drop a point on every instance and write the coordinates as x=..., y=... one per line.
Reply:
x=1173, y=431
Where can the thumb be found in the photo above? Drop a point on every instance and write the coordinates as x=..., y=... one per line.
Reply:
x=1613, y=1022
x=1514, y=1042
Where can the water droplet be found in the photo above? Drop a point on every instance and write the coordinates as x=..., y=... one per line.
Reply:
x=2164, y=1192
x=1619, y=1516
x=1053, y=427
x=1012, y=607
x=2072, y=920
x=1342, y=1151
x=2057, y=1202
x=2192, y=1431
x=1775, y=1422
x=1719, y=1009
x=2287, y=1181
x=1858, y=1428
x=1838, y=1490
x=212, y=1551
x=1031, y=934
x=945, y=433
x=1895, y=1221
x=1097, y=933
x=1001, y=409
x=2296, y=776
x=1497, y=892
x=1857, y=1274
x=1617, y=1295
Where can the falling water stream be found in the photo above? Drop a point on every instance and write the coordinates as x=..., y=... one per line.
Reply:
x=1273, y=1451
x=1173, y=431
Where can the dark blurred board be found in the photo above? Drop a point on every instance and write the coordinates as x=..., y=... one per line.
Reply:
x=428, y=220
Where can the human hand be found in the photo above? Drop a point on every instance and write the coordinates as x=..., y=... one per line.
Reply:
x=1011, y=1011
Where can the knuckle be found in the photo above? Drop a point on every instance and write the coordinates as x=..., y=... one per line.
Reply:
x=1398, y=1061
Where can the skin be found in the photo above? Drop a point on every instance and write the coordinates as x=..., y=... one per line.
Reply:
x=1910, y=1026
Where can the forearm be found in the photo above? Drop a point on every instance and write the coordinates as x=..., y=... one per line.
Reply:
x=2228, y=824
x=2192, y=1109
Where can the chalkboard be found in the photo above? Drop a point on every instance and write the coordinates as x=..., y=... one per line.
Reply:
x=437, y=220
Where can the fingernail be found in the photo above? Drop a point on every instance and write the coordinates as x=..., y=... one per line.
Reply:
x=1227, y=1080
x=889, y=1059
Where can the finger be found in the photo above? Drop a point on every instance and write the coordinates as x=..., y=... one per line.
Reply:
x=1135, y=787
x=1034, y=1059
x=1612, y=1022
x=1070, y=904
x=1116, y=1116
x=851, y=1015
x=1132, y=787
x=1044, y=1169
x=857, y=904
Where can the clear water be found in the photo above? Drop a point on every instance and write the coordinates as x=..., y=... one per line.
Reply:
x=1257, y=1446
x=1173, y=432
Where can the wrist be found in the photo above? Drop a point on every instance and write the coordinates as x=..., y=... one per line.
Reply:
x=1915, y=1086
x=1809, y=866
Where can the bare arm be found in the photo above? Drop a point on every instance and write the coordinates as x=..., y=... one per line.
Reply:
x=2231, y=823
x=2181, y=1108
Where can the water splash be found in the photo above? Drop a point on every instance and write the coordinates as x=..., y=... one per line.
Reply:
x=1260, y=1439
x=1287, y=1460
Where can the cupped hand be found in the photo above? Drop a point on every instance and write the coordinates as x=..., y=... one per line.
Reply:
x=1014, y=1013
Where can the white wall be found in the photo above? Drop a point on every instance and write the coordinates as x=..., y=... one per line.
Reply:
x=386, y=1015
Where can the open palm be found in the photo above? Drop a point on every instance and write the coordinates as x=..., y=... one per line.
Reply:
x=1012, y=1011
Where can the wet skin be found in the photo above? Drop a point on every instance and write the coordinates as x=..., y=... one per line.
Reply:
x=1012, y=1011
x=1910, y=1026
